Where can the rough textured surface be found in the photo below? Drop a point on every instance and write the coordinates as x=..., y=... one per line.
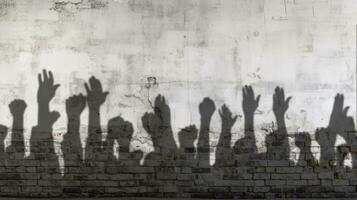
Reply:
x=185, y=50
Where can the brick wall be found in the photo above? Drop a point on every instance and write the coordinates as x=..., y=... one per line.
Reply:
x=253, y=178
x=184, y=170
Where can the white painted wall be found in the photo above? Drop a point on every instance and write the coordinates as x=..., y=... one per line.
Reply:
x=194, y=49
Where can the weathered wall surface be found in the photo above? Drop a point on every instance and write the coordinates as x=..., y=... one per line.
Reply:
x=185, y=50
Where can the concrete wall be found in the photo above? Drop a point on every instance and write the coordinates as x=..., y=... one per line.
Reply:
x=185, y=50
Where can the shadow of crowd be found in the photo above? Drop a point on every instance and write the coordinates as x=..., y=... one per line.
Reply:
x=240, y=171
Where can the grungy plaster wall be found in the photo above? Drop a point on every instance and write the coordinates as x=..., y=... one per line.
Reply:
x=185, y=50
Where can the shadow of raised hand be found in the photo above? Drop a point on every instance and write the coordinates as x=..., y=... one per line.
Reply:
x=45, y=94
x=227, y=118
x=17, y=108
x=280, y=104
x=250, y=103
x=151, y=124
x=162, y=111
x=340, y=123
x=41, y=141
x=95, y=94
x=277, y=142
x=75, y=105
x=71, y=144
x=339, y=120
x=224, y=156
x=187, y=137
x=122, y=131
x=47, y=88
x=158, y=125
x=326, y=140
x=303, y=142
x=247, y=144
x=206, y=109
x=95, y=98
